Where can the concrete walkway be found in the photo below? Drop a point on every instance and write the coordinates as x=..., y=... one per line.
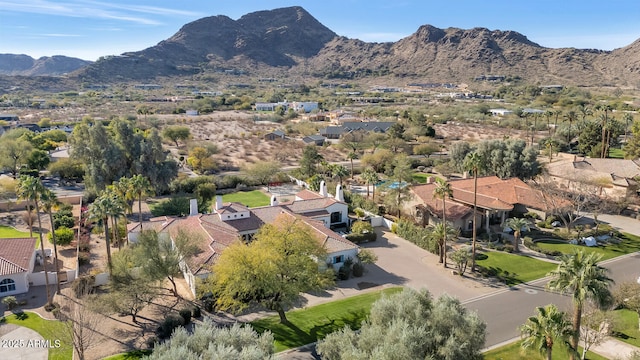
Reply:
x=21, y=343
x=614, y=349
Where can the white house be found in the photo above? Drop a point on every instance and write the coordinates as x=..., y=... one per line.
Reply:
x=232, y=222
x=500, y=112
x=306, y=106
x=17, y=259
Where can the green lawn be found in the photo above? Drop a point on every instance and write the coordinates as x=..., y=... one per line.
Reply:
x=248, y=198
x=515, y=269
x=314, y=323
x=629, y=244
x=420, y=178
x=131, y=355
x=11, y=232
x=49, y=329
x=513, y=351
x=625, y=326
x=616, y=153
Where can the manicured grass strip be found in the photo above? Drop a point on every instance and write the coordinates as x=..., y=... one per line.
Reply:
x=314, y=323
x=513, y=351
x=629, y=244
x=131, y=355
x=11, y=232
x=616, y=153
x=248, y=198
x=625, y=326
x=49, y=329
x=420, y=178
x=515, y=269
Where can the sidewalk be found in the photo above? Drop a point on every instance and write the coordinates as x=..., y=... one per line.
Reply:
x=614, y=349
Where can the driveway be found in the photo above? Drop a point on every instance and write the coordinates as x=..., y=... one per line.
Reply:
x=20, y=343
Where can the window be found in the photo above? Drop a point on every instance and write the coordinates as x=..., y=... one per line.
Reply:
x=336, y=217
x=7, y=285
x=338, y=259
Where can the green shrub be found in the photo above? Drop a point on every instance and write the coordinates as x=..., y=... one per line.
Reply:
x=64, y=236
x=362, y=227
x=532, y=215
x=508, y=248
x=168, y=325
x=186, y=315
x=417, y=235
x=195, y=312
x=344, y=272
x=394, y=228
x=362, y=238
x=357, y=269
x=175, y=206
x=10, y=302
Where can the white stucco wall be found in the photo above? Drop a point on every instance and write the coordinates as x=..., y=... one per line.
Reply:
x=21, y=281
x=351, y=253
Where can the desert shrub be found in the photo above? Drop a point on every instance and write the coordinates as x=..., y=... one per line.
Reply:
x=83, y=285
x=186, y=315
x=64, y=236
x=417, y=235
x=362, y=227
x=151, y=342
x=84, y=247
x=508, y=248
x=189, y=185
x=84, y=258
x=10, y=302
x=531, y=215
x=461, y=258
x=356, y=201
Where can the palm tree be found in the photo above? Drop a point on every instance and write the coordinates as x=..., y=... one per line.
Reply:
x=103, y=207
x=628, y=118
x=604, y=118
x=579, y=275
x=50, y=202
x=548, y=114
x=517, y=224
x=339, y=171
x=541, y=331
x=371, y=177
x=473, y=163
x=31, y=189
x=443, y=191
x=570, y=116
x=351, y=156
x=441, y=232
x=140, y=186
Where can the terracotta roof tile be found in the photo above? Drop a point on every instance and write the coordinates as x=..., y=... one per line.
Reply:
x=16, y=254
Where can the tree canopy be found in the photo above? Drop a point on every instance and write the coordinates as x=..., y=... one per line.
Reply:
x=502, y=158
x=410, y=325
x=273, y=269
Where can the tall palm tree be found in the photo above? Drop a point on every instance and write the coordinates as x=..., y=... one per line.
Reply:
x=339, y=171
x=441, y=232
x=371, y=177
x=604, y=117
x=140, y=187
x=443, y=191
x=541, y=331
x=628, y=118
x=517, y=224
x=49, y=203
x=548, y=114
x=579, y=276
x=570, y=116
x=102, y=208
x=31, y=189
x=352, y=156
x=117, y=211
x=473, y=163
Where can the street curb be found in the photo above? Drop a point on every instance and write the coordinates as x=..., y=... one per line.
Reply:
x=499, y=345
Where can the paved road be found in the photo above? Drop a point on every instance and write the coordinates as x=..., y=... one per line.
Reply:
x=504, y=309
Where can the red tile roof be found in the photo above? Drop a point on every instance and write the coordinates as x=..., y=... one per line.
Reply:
x=493, y=193
x=16, y=254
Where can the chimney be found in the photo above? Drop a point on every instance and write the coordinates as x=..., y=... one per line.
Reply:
x=218, y=202
x=274, y=201
x=339, y=193
x=323, y=189
x=429, y=179
x=193, y=207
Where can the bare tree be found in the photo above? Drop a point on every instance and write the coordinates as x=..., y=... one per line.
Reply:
x=80, y=324
x=596, y=327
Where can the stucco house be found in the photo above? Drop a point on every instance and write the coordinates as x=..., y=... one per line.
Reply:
x=232, y=222
x=275, y=135
x=17, y=259
x=614, y=178
x=497, y=199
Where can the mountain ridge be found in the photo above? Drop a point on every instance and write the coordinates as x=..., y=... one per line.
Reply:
x=291, y=42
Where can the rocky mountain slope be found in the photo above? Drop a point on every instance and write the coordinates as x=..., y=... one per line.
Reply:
x=11, y=64
x=290, y=42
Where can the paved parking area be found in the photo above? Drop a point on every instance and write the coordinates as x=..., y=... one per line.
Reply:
x=20, y=343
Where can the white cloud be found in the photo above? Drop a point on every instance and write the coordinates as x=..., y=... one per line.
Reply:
x=144, y=15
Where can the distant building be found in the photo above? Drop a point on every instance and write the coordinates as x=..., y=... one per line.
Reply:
x=314, y=139
x=334, y=132
x=9, y=117
x=500, y=112
x=274, y=135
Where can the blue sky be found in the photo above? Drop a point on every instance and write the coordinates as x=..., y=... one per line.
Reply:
x=89, y=29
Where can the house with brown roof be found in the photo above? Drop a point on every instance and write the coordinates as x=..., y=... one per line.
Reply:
x=229, y=223
x=17, y=259
x=614, y=178
x=497, y=199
